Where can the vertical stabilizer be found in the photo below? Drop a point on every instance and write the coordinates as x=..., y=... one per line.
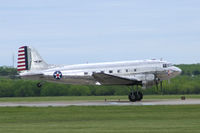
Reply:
x=29, y=59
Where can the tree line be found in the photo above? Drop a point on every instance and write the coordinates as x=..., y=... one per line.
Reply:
x=10, y=86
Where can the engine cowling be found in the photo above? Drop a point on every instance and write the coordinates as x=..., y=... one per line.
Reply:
x=148, y=84
x=148, y=80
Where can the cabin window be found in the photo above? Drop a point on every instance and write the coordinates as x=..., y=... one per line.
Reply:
x=85, y=73
x=135, y=70
x=126, y=70
x=118, y=71
x=110, y=71
x=164, y=65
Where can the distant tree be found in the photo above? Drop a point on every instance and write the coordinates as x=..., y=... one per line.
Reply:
x=7, y=71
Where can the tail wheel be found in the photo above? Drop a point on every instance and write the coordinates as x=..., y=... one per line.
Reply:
x=39, y=85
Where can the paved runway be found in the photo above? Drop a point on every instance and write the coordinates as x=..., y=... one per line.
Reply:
x=100, y=103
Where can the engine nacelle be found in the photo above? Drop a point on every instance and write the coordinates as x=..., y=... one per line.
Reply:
x=148, y=80
x=146, y=77
x=148, y=84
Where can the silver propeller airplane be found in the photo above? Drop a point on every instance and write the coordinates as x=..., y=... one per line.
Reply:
x=143, y=73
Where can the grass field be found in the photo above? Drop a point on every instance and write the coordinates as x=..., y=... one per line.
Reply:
x=90, y=98
x=109, y=119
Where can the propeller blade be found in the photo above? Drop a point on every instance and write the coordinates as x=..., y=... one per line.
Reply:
x=161, y=87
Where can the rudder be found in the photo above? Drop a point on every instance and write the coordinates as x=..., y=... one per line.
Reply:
x=29, y=59
x=23, y=59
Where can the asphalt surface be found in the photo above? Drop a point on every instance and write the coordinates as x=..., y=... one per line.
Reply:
x=101, y=103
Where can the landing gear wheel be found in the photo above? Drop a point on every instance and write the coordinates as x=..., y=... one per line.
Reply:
x=135, y=96
x=139, y=96
x=132, y=97
x=39, y=85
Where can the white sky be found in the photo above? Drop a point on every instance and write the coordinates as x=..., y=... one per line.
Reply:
x=80, y=31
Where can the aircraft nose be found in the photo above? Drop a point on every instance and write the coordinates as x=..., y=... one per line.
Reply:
x=179, y=70
x=176, y=71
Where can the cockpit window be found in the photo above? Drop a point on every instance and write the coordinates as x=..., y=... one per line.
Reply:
x=167, y=65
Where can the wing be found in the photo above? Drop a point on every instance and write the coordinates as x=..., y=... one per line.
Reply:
x=107, y=79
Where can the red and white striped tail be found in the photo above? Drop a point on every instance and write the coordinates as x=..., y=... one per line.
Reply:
x=22, y=63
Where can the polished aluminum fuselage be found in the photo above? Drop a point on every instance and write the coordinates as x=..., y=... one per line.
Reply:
x=145, y=71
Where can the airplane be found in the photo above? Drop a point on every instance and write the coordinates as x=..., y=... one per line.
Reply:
x=143, y=73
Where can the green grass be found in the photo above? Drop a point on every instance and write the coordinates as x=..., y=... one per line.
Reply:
x=90, y=98
x=105, y=119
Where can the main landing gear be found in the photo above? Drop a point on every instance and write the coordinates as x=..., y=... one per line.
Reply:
x=135, y=95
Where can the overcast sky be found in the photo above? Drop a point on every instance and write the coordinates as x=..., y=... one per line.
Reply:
x=80, y=31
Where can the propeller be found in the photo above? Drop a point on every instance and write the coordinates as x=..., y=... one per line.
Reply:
x=158, y=81
x=169, y=73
